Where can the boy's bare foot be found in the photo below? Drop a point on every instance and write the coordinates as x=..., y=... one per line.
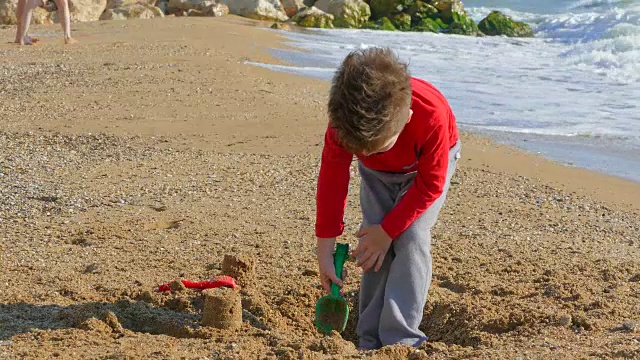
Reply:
x=70, y=41
x=27, y=40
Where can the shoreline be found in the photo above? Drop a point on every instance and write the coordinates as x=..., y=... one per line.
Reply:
x=589, y=182
x=605, y=187
x=151, y=151
x=609, y=158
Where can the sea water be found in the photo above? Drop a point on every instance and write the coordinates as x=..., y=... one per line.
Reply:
x=571, y=94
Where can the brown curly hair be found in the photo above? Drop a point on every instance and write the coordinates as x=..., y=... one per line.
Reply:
x=369, y=92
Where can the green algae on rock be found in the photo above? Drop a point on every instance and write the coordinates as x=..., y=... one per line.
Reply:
x=313, y=17
x=346, y=13
x=498, y=23
x=381, y=24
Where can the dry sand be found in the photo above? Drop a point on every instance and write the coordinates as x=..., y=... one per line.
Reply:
x=150, y=151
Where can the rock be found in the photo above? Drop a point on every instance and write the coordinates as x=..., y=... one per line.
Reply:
x=132, y=11
x=421, y=11
x=310, y=272
x=211, y=10
x=291, y=7
x=402, y=22
x=257, y=9
x=462, y=24
x=382, y=8
x=498, y=23
x=91, y=269
x=428, y=25
x=281, y=26
x=446, y=9
x=581, y=321
x=112, y=4
x=8, y=14
x=380, y=24
x=164, y=6
x=86, y=10
x=175, y=6
x=632, y=326
x=313, y=17
x=346, y=13
x=565, y=320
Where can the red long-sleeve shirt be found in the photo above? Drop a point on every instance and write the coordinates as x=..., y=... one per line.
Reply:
x=423, y=145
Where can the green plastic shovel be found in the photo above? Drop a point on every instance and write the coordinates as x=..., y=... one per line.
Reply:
x=332, y=311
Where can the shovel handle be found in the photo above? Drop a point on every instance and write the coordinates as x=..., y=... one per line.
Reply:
x=340, y=256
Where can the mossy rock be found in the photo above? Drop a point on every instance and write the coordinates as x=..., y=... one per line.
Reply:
x=313, y=17
x=347, y=13
x=446, y=9
x=402, y=22
x=354, y=15
x=382, y=8
x=404, y=6
x=280, y=26
x=498, y=23
x=420, y=11
x=316, y=22
x=386, y=24
x=380, y=24
x=370, y=25
x=462, y=24
x=428, y=25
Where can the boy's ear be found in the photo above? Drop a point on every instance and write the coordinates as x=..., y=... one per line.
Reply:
x=410, y=115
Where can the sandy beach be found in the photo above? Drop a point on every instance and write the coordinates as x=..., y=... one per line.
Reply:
x=150, y=150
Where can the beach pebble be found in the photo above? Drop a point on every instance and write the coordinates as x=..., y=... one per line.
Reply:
x=564, y=320
x=632, y=326
x=309, y=272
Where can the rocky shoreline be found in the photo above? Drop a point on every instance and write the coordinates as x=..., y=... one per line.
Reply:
x=437, y=16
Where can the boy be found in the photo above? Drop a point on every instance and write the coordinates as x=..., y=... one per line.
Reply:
x=404, y=135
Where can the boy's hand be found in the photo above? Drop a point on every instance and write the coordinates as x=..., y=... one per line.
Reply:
x=325, y=263
x=373, y=246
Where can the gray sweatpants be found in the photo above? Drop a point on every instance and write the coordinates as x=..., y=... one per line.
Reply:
x=392, y=300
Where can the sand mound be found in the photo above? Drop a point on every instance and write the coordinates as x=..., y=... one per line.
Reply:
x=240, y=267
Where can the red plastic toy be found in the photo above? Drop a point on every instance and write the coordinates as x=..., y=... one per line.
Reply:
x=217, y=281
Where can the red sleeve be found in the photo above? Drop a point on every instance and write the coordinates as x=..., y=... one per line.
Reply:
x=333, y=187
x=428, y=183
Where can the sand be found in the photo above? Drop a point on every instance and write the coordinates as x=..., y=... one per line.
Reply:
x=150, y=151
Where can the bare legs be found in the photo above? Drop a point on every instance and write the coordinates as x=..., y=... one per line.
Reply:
x=65, y=20
x=25, y=11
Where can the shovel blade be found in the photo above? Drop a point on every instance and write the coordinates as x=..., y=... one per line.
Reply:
x=332, y=313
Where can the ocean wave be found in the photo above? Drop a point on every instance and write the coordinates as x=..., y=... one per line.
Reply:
x=560, y=132
x=584, y=27
x=313, y=71
x=595, y=4
x=480, y=12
